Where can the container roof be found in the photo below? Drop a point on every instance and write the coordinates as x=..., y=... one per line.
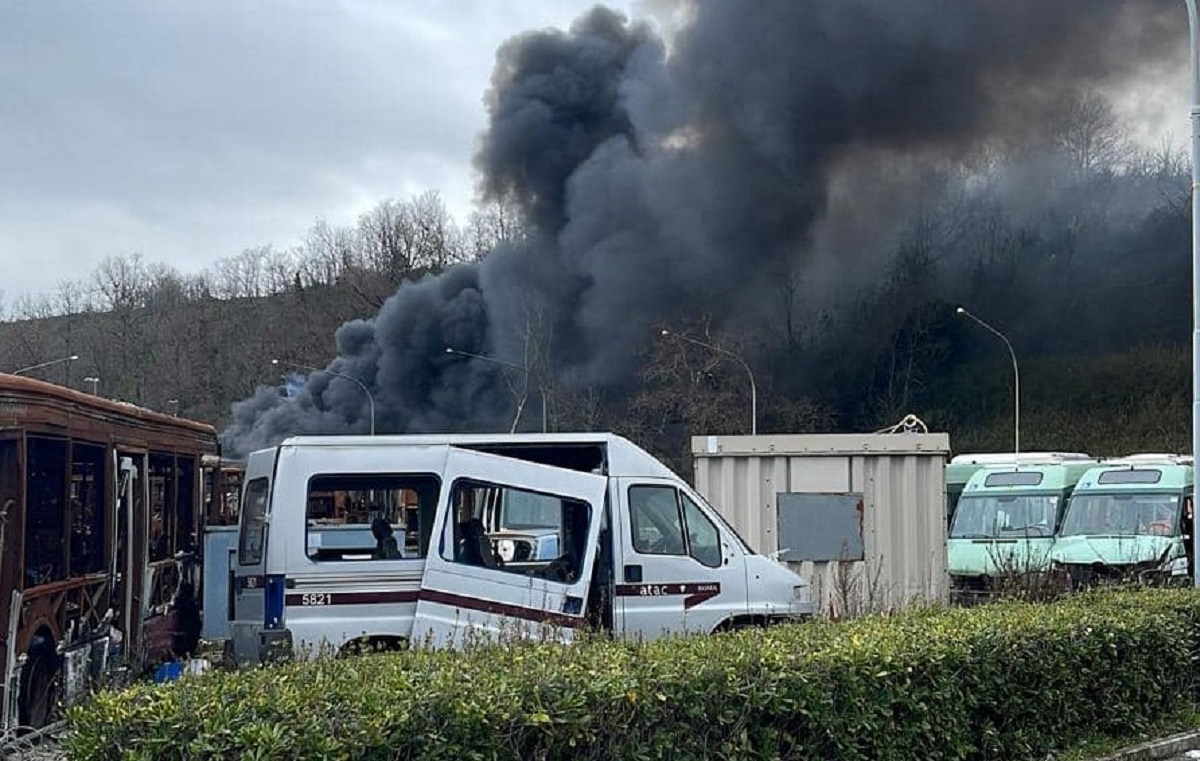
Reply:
x=821, y=444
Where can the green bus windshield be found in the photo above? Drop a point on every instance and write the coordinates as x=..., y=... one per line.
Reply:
x=1006, y=516
x=1124, y=514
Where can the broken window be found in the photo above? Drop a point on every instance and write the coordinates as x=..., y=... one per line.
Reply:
x=45, y=491
x=86, y=508
x=184, y=535
x=377, y=516
x=222, y=492
x=163, y=514
x=172, y=483
x=518, y=531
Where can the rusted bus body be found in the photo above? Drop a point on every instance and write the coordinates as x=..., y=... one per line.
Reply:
x=222, y=489
x=100, y=520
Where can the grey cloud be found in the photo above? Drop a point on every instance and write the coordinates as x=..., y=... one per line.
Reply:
x=191, y=130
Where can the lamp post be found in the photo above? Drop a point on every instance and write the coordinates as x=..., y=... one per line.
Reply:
x=1016, y=381
x=94, y=380
x=40, y=365
x=174, y=405
x=742, y=362
x=311, y=369
x=494, y=361
x=1194, y=58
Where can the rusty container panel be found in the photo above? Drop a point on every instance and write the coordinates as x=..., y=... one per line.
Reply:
x=900, y=478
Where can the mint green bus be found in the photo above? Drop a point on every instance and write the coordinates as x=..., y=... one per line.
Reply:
x=961, y=467
x=1129, y=519
x=1005, y=523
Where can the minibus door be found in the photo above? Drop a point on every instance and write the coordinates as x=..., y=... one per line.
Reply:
x=469, y=585
x=677, y=568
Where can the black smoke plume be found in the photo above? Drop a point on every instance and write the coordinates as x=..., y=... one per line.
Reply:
x=664, y=176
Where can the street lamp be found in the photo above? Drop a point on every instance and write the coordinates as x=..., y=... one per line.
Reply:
x=494, y=361
x=1016, y=381
x=23, y=370
x=95, y=381
x=174, y=404
x=1194, y=57
x=738, y=357
x=311, y=369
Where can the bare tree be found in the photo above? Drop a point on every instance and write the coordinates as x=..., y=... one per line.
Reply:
x=580, y=410
x=438, y=241
x=33, y=342
x=121, y=282
x=686, y=388
x=278, y=269
x=386, y=243
x=1087, y=130
x=327, y=252
x=123, y=285
x=497, y=222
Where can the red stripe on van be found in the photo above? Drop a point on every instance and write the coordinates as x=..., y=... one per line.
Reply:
x=693, y=594
x=322, y=599
x=501, y=608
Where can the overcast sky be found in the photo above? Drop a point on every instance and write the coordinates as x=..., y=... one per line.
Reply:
x=188, y=131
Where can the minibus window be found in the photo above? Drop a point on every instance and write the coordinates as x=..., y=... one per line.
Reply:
x=250, y=542
x=370, y=516
x=704, y=542
x=655, y=520
x=518, y=531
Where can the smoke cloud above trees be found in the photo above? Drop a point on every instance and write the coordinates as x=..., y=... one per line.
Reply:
x=762, y=166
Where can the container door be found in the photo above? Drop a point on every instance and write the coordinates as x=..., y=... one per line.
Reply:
x=513, y=551
x=677, y=568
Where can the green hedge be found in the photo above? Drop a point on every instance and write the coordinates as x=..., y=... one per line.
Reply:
x=1004, y=681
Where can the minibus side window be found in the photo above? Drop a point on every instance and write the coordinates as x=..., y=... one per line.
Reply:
x=517, y=531
x=369, y=516
x=655, y=520
x=704, y=541
x=250, y=542
x=665, y=521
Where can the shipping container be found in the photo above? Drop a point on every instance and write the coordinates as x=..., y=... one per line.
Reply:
x=862, y=516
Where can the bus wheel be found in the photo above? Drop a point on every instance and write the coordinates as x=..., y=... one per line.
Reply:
x=366, y=645
x=39, y=686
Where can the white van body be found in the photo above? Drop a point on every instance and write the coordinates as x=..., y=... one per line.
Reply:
x=559, y=550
